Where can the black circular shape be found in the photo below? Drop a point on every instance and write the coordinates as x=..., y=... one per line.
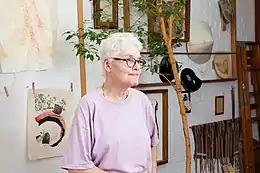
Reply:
x=56, y=120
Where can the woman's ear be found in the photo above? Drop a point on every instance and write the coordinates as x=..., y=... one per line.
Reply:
x=107, y=65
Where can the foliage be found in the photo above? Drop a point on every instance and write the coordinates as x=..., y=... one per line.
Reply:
x=155, y=46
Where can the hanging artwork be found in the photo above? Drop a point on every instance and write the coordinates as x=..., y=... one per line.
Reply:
x=219, y=105
x=159, y=100
x=222, y=65
x=187, y=101
x=49, y=114
x=181, y=26
x=28, y=38
x=217, y=145
x=105, y=14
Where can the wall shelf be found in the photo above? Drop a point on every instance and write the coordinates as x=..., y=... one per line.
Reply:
x=197, y=53
x=156, y=84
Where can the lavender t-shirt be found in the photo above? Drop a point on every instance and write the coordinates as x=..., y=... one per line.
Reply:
x=114, y=136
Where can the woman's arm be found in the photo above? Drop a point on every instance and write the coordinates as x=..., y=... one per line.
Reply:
x=77, y=157
x=154, y=159
x=153, y=131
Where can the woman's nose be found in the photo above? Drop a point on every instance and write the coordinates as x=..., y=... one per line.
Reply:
x=137, y=66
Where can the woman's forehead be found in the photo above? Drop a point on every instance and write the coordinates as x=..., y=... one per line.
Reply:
x=135, y=55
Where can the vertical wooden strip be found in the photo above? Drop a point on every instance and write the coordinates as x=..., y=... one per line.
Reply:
x=126, y=8
x=255, y=74
x=233, y=41
x=187, y=20
x=241, y=108
x=81, y=41
x=115, y=14
x=165, y=126
x=151, y=18
x=247, y=115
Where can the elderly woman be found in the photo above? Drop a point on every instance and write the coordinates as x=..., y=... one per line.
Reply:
x=114, y=126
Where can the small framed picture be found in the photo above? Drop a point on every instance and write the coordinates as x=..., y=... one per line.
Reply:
x=187, y=101
x=219, y=105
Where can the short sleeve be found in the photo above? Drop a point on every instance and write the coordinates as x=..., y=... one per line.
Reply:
x=77, y=153
x=151, y=123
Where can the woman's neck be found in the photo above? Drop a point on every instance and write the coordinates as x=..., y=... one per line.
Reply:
x=114, y=92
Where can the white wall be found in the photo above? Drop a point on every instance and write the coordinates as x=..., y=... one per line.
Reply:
x=13, y=156
x=246, y=20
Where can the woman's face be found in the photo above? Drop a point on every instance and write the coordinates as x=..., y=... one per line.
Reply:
x=125, y=70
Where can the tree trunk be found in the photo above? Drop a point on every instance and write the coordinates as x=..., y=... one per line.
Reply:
x=168, y=41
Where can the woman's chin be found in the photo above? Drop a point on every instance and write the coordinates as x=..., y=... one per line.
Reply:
x=134, y=83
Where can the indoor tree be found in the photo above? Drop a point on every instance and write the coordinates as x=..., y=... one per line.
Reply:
x=160, y=43
x=168, y=16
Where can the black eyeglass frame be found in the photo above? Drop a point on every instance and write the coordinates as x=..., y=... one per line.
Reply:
x=142, y=62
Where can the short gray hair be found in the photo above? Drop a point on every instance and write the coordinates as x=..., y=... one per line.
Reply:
x=119, y=43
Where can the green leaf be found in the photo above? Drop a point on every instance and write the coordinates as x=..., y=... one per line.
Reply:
x=69, y=37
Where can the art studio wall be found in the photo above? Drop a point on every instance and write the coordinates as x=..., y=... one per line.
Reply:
x=13, y=109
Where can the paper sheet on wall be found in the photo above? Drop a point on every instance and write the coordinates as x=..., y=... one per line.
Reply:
x=28, y=36
x=157, y=99
x=49, y=116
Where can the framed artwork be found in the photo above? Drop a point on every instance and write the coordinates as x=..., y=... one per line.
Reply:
x=180, y=32
x=105, y=14
x=49, y=116
x=187, y=101
x=219, y=105
x=159, y=100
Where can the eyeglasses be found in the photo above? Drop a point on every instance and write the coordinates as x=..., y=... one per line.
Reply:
x=131, y=62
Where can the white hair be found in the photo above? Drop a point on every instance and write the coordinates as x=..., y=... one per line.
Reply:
x=117, y=44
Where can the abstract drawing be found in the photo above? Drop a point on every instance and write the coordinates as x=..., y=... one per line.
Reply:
x=155, y=105
x=50, y=113
x=159, y=101
x=31, y=32
x=187, y=101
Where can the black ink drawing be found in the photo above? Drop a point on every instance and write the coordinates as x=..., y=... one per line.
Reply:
x=187, y=101
x=49, y=114
x=46, y=102
x=155, y=105
x=49, y=137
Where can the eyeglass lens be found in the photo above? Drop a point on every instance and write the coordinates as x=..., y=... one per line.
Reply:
x=131, y=62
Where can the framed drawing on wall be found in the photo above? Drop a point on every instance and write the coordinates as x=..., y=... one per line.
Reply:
x=181, y=32
x=105, y=14
x=219, y=105
x=187, y=101
x=159, y=100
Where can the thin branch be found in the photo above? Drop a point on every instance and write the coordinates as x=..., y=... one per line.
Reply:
x=171, y=83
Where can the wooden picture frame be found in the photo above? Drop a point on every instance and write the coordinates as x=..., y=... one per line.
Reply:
x=159, y=100
x=183, y=32
x=219, y=105
x=105, y=14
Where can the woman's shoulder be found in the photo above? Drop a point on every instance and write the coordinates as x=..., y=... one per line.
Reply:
x=139, y=95
x=90, y=97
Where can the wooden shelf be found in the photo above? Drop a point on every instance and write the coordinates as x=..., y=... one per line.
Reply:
x=157, y=84
x=197, y=53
